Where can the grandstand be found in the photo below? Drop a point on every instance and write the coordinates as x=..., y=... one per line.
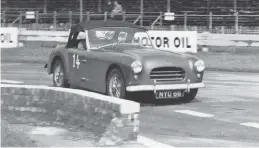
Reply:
x=205, y=13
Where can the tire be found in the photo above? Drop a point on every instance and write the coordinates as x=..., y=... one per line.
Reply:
x=190, y=96
x=110, y=90
x=58, y=70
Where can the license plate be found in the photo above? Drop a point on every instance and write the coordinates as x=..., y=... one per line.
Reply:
x=169, y=94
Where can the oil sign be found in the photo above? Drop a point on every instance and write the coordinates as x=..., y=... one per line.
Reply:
x=176, y=41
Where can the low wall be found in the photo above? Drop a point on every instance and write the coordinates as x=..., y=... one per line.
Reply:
x=112, y=120
x=50, y=38
x=228, y=39
x=36, y=39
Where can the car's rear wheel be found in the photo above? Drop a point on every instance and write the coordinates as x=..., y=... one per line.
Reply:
x=188, y=97
x=59, y=75
x=115, y=85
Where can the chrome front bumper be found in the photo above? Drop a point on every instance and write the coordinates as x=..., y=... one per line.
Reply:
x=154, y=87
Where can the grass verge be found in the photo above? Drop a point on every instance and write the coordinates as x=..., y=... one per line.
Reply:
x=236, y=59
x=235, y=62
x=25, y=55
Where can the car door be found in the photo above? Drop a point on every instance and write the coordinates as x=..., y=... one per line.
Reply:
x=90, y=67
x=76, y=59
x=84, y=68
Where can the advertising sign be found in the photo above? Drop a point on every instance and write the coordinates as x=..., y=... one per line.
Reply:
x=30, y=15
x=176, y=41
x=9, y=37
x=169, y=16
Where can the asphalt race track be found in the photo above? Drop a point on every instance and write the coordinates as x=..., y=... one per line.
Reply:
x=225, y=113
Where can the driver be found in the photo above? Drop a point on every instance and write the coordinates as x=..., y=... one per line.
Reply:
x=82, y=41
x=82, y=44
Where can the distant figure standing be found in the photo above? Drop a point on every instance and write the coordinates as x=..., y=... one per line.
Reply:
x=117, y=11
x=109, y=6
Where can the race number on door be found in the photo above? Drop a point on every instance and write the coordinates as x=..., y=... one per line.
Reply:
x=76, y=62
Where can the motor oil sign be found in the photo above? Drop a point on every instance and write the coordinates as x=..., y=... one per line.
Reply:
x=176, y=41
x=9, y=37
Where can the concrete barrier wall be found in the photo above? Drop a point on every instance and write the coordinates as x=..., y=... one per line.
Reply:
x=228, y=39
x=56, y=36
x=36, y=39
x=53, y=38
x=112, y=120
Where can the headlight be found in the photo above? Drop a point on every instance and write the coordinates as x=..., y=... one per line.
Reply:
x=136, y=67
x=199, y=66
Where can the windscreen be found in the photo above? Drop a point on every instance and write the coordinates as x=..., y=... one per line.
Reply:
x=100, y=37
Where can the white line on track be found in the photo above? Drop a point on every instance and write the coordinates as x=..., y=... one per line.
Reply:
x=25, y=72
x=43, y=85
x=11, y=82
x=194, y=113
x=250, y=124
x=10, y=64
x=151, y=143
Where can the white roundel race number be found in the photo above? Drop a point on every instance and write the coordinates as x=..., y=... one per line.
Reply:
x=76, y=61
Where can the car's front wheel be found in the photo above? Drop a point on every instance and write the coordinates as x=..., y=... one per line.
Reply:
x=190, y=96
x=59, y=75
x=115, y=84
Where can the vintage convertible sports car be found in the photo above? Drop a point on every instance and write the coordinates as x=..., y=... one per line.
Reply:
x=105, y=57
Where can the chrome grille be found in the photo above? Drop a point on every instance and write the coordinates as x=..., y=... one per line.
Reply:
x=167, y=74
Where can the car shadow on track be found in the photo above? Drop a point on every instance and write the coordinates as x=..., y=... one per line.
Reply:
x=148, y=99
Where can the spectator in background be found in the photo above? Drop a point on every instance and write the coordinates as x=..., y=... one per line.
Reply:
x=108, y=6
x=117, y=11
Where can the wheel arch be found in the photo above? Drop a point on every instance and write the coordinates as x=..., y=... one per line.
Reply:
x=111, y=67
x=59, y=58
x=55, y=58
x=124, y=69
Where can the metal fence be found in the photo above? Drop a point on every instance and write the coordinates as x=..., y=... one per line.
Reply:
x=234, y=23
